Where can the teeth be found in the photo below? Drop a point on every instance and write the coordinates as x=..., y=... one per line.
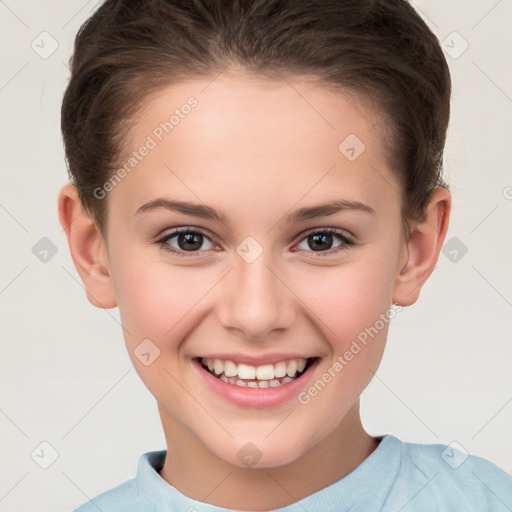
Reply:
x=267, y=374
x=291, y=368
x=280, y=369
x=230, y=368
x=245, y=371
x=218, y=366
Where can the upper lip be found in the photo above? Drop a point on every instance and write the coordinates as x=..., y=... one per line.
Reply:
x=256, y=360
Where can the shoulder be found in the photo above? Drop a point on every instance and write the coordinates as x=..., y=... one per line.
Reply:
x=457, y=480
x=123, y=498
x=136, y=494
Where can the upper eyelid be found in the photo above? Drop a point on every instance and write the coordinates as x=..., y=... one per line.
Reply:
x=185, y=229
x=328, y=229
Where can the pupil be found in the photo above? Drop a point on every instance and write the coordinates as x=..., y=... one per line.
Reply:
x=318, y=239
x=195, y=239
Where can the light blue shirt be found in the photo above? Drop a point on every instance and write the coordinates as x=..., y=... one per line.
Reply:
x=396, y=477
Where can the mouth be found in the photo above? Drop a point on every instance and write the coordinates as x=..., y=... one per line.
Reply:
x=264, y=376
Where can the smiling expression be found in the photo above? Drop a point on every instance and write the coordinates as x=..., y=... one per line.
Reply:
x=288, y=248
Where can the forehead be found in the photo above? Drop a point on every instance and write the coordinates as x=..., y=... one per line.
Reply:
x=279, y=139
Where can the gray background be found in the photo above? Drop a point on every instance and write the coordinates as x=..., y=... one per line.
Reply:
x=66, y=378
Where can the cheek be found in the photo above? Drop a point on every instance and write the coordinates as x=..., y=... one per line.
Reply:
x=346, y=299
x=159, y=301
x=351, y=306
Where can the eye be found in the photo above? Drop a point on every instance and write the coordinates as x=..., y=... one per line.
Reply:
x=185, y=240
x=191, y=240
x=323, y=241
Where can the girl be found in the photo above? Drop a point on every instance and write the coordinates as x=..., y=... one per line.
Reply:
x=257, y=185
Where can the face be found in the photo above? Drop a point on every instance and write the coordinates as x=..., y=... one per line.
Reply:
x=243, y=270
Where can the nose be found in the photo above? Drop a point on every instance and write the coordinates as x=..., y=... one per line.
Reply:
x=255, y=301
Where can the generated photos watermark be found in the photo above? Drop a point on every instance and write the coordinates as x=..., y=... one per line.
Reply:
x=356, y=346
x=152, y=140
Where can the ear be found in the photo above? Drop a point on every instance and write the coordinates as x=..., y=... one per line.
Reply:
x=422, y=248
x=88, y=249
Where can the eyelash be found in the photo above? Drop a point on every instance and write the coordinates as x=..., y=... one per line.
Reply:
x=347, y=242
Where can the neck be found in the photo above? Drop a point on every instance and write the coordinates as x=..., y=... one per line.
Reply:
x=200, y=475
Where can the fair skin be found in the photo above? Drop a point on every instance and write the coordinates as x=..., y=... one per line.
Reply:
x=256, y=151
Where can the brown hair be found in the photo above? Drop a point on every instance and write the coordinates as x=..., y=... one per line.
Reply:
x=380, y=49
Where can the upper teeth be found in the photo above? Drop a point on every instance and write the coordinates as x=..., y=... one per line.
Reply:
x=265, y=372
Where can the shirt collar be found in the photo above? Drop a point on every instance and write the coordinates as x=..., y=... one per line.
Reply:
x=383, y=463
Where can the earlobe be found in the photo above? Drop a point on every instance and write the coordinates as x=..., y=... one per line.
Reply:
x=88, y=249
x=423, y=248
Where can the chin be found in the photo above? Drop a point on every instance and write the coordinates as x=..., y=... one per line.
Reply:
x=260, y=454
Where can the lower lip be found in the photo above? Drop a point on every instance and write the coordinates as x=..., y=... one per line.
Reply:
x=255, y=397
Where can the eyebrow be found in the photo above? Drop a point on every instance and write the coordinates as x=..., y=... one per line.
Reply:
x=206, y=212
